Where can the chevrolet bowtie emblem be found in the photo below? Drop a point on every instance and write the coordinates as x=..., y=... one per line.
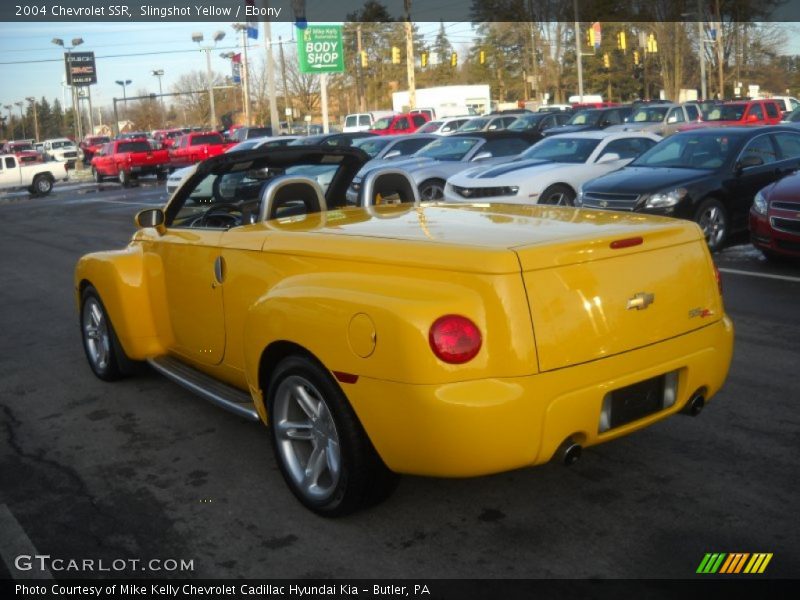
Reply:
x=641, y=301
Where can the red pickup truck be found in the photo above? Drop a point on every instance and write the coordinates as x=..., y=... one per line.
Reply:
x=745, y=112
x=399, y=124
x=127, y=159
x=196, y=146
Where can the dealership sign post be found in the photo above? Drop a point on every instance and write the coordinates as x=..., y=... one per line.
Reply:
x=320, y=50
x=81, y=74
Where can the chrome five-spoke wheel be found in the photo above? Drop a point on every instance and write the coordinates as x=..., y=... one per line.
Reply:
x=307, y=439
x=95, y=334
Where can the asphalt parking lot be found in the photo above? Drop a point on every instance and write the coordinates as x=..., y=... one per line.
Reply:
x=141, y=469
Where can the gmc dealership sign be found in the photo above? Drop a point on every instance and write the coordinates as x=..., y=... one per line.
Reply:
x=80, y=68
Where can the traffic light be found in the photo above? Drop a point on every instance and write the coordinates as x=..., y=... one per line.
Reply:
x=590, y=36
x=364, y=62
x=621, y=41
x=423, y=59
x=606, y=61
x=395, y=55
x=652, y=44
x=636, y=57
x=453, y=59
x=482, y=57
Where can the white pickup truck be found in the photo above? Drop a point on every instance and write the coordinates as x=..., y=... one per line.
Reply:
x=37, y=178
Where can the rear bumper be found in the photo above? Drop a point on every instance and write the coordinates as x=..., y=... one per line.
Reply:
x=487, y=426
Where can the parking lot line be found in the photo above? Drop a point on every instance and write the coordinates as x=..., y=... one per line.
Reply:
x=15, y=542
x=764, y=275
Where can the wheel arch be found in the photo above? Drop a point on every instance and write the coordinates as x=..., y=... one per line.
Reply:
x=119, y=277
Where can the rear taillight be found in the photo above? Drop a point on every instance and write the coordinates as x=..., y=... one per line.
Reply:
x=719, y=279
x=454, y=339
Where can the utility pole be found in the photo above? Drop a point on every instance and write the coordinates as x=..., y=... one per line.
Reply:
x=720, y=53
x=242, y=28
x=701, y=35
x=412, y=90
x=362, y=100
x=286, y=100
x=273, y=101
x=578, y=56
x=534, y=58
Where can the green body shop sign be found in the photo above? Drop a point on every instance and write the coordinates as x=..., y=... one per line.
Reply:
x=320, y=49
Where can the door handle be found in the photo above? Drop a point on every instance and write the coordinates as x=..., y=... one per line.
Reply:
x=219, y=271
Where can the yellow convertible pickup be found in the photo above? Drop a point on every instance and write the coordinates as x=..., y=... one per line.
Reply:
x=449, y=340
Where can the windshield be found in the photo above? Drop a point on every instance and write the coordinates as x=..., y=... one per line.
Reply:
x=726, y=112
x=382, y=123
x=141, y=146
x=20, y=147
x=649, y=114
x=63, y=144
x=209, y=138
x=525, y=123
x=473, y=125
x=430, y=127
x=453, y=149
x=687, y=151
x=565, y=150
x=371, y=145
x=99, y=140
x=585, y=117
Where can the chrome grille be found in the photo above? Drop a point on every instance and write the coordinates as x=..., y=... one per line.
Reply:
x=70, y=155
x=787, y=225
x=610, y=201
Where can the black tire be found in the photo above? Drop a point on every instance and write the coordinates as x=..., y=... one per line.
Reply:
x=124, y=178
x=431, y=189
x=42, y=184
x=558, y=194
x=96, y=176
x=362, y=478
x=104, y=352
x=712, y=218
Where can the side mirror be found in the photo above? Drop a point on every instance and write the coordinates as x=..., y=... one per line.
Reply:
x=392, y=154
x=672, y=119
x=752, y=118
x=151, y=217
x=608, y=157
x=481, y=156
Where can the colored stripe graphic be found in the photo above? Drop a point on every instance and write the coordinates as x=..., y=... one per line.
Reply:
x=758, y=563
x=711, y=563
x=734, y=563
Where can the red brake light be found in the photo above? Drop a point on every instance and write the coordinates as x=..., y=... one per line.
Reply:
x=626, y=243
x=454, y=339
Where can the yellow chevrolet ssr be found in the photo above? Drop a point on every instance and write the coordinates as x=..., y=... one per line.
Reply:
x=397, y=337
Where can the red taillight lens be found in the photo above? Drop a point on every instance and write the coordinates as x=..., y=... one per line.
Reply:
x=719, y=279
x=454, y=339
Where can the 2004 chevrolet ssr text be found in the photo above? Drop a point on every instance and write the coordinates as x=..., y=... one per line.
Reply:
x=430, y=339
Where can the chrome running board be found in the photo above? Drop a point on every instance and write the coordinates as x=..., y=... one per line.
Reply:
x=216, y=392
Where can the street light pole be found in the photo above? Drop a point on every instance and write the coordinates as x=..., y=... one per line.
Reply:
x=21, y=118
x=32, y=100
x=198, y=37
x=124, y=83
x=702, y=37
x=78, y=129
x=9, y=108
x=160, y=73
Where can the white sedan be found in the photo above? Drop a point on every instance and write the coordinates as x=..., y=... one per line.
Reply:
x=552, y=170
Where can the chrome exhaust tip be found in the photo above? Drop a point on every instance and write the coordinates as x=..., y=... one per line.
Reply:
x=569, y=452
